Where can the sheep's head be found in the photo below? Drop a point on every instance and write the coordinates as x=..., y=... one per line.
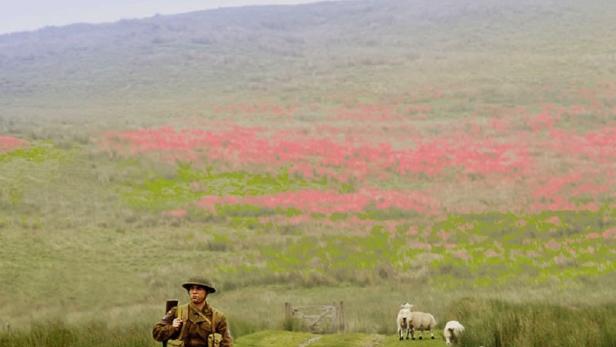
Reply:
x=406, y=306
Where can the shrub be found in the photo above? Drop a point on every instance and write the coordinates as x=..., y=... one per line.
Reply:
x=493, y=323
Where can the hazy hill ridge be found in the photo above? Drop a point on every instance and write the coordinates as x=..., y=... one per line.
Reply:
x=284, y=47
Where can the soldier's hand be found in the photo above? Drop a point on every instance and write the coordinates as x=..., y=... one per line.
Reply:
x=177, y=323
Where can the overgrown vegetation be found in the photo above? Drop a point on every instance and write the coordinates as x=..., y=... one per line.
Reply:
x=458, y=156
x=497, y=323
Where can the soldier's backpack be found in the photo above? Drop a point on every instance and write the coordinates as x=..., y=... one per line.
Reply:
x=213, y=339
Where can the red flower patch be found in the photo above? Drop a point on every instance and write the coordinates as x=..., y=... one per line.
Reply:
x=512, y=158
x=179, y=213
x=598, y=145
x=311, y=155
x=312, y=201
x=9, y=143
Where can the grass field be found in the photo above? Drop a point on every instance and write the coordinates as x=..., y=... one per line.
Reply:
x=488, y=322
x=460, y=158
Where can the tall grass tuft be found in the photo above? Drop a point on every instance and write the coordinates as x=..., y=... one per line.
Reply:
x=493, y=323
x=96, y=334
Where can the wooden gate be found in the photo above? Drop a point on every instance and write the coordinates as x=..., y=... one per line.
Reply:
x=317, y=318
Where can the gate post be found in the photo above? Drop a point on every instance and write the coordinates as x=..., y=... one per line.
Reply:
x=340, y=316
x=287, y=311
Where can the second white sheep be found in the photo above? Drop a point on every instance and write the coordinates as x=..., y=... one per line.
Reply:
x=452, y=332
x=421, y=321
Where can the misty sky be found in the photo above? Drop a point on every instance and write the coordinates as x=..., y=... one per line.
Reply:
x=21, y=15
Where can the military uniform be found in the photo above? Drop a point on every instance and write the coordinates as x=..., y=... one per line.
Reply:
x=198, y=325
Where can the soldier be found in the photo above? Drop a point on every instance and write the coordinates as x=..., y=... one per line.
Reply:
x=196, y=324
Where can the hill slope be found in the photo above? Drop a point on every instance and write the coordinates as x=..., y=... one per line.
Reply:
x=371, y=152
x=299, y=53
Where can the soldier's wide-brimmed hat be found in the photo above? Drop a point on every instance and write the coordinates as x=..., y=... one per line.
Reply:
x=201, y=282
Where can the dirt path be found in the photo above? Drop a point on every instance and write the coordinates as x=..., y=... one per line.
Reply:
x=310, y=341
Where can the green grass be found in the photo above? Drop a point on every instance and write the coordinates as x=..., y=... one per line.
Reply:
x=35, y=154
x=189, y=184
x=489, y=323
x=273, y=338
x=56, y=334
x=484, y=249
x=496, y=323
x=85, y=245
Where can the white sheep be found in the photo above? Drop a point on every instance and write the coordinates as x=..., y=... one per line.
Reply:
x=421, y=322
x=453, y=331
x=403, y=320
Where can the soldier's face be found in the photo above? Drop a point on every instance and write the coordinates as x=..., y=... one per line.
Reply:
x=197, y=294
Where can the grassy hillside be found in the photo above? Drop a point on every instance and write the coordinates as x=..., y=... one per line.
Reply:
x=472, y=53
x=460, y=156
x=508, y=324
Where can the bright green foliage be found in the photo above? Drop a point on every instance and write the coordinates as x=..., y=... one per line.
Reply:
x=333, y=253
x=295, y=339
x=25, y=172
x=483, y=249
x=273, y=339
x=350, y=340
x=189, y=184
x=36, y=154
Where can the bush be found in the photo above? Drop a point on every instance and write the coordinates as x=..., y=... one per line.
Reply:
x=493, y=323
x=58, y=334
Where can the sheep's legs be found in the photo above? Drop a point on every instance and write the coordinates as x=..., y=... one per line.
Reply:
x=402, y=331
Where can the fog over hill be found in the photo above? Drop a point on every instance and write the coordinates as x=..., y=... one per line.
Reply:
x=365, y=47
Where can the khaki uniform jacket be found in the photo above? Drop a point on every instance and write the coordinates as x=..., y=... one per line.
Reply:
x=197, y=327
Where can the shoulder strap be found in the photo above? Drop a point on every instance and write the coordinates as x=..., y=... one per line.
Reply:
x=182, y=313
x=214, y=319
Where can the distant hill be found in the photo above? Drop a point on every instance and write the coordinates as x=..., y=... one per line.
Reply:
x=366, y=47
